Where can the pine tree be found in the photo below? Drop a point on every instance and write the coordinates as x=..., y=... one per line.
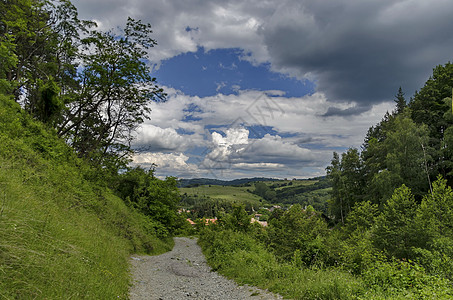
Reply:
x=400, y=101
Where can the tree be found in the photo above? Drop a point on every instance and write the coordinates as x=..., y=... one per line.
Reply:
x=347, y=182
x=298, y=232
x=434, y=230
x=41, y=37
x=94, y=90
x=394, y=230
x=400, y=101
x=112, y=100
x=237, y=220
x=261, y=188
x=155, y=198
x=334, y=175
x=435, y=216
x=406, y=156
x=402, y=155
x=429, y=107
x=362, y=217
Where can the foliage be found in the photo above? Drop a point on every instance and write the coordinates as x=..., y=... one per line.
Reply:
x=434, y=230
x=400, y=101
x=115, y=87
x=428, y=107
x=298, y=230
x=94, y=90
x=156, y=199
x=259, y=256
x=238, y=255
x=346, y=177
x=237, y=220
x=393, y=233
x=405, y=279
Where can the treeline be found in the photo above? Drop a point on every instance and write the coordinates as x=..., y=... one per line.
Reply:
x=207, y=207
x=195, y=182
x=411, y=146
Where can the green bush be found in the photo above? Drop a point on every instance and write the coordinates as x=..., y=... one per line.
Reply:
x=406, y=279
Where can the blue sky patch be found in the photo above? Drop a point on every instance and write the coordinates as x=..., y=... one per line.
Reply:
x=223, y=71
x=259, y=131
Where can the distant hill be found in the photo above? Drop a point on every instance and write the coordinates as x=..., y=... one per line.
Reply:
x=194, y=182
x=208, y=181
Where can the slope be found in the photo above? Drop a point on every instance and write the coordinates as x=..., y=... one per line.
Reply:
x=63, y=234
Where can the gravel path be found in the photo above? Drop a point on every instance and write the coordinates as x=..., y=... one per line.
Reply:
x=184, y=274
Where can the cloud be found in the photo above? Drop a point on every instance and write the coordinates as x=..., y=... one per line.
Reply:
x=355, y=110
x=218, y=24
x=153, y=138
x=259, y=166
x=359, y=51
x=223, y=148
x=240, y=135
x=273, y=149
x=236, y=149
x=167, y=164
x=311, y=118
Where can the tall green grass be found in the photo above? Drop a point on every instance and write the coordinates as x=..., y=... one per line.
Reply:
x=62, y=236
x=239, y=256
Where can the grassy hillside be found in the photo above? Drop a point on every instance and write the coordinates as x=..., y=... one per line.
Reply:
x=63, y=234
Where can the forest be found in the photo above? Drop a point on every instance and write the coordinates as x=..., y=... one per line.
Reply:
x=71, y=97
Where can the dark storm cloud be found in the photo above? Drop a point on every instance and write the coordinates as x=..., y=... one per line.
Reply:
x=361, y=50
x=351, y=111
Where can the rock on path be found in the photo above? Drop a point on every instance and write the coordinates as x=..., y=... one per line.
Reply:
x=184, y=274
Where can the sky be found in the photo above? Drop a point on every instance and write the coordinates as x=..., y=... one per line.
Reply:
x=271, y=88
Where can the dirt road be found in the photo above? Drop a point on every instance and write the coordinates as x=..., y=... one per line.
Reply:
x=184, y=274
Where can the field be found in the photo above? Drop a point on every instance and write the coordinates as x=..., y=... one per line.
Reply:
x=221, y=192
x=314, y=192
